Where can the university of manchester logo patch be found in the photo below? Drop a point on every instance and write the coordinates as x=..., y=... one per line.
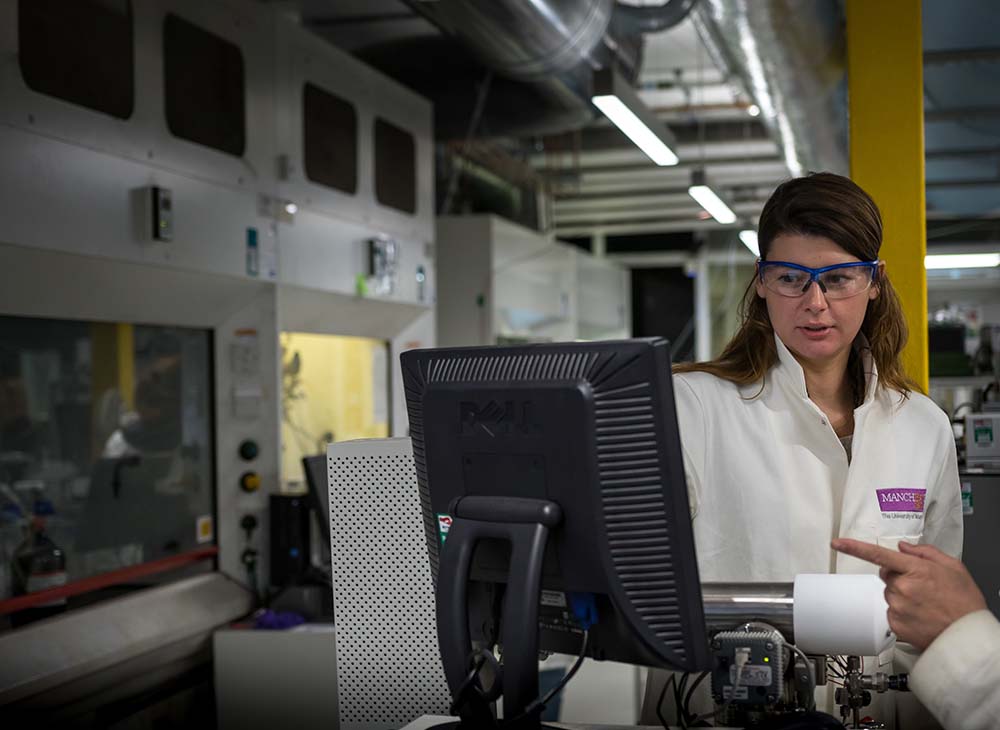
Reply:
x=901, y=500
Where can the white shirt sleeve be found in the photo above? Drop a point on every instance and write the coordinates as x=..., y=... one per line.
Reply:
x=958, y=676
x=944, y=527
x=694, y=435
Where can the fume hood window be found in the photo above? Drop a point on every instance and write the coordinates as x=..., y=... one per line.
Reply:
x=333, y=388
x=106, y=448
x=330, y=139
x=80, y=52
x=203, y=85
x=395, y=167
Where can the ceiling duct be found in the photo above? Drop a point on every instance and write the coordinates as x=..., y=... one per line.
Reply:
x=525, y=40
x=543, y=54
x=633, y=19
x=790, y=56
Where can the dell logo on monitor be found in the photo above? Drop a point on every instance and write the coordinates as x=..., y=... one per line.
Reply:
x=498, y=419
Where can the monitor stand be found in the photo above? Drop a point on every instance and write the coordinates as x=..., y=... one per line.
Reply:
x=525, y=524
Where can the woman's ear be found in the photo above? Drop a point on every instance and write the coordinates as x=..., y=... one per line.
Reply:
x=757, y=283
x=876, y=287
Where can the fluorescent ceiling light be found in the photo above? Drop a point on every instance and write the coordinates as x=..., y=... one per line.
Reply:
x=707, y=198
x=619, y=103
x=962, y=261
x=634, y=128
x=711, y=202
x=749, y=238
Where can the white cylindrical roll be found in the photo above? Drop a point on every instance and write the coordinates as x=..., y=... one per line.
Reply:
x=841, y=614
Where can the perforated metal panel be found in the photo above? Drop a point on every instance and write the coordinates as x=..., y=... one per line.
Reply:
x=388, y=667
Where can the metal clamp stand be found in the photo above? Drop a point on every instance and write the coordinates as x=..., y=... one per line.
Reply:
x=856, y=692
x=525, y=524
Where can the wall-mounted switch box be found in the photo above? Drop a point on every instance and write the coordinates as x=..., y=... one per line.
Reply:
x=162, y=208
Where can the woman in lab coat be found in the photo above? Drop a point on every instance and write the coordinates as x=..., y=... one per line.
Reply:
x=806, y=427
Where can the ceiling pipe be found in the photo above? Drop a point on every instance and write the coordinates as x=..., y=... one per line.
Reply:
x=789, y=56
x=551, y=48
x=527, y=41
x=632, y=19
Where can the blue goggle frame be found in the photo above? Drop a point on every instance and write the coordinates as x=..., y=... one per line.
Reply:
x=814, y=274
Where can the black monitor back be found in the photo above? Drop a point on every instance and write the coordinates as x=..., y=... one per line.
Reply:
x=592, y=427
x=315, y=470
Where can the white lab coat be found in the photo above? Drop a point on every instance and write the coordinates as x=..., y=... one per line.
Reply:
x=958, y=677
x=770, y=484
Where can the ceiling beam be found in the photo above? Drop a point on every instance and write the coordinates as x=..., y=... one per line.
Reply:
x=951, y=114
x=662, y=226
x=692, y=212
x=626, y=168
x=966, y=183
x=657, y=179
x=320, y=22
x=640, y=203
x=604, y=136
x=962, y=152
x=962, y=55
x=747, y=187
x=632, y=155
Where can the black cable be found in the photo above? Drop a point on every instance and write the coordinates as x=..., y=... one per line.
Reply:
x=538, y=705
x=685, y=714
x=492, y=632
x=466, y=685
x=659, y=702
x=678, y=694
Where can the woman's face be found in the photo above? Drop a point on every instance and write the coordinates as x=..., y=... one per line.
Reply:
x=816, y=329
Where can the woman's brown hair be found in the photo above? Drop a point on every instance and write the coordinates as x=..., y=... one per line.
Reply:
x=831, y=206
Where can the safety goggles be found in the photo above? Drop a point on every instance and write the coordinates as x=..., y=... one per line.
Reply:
x=839, y=281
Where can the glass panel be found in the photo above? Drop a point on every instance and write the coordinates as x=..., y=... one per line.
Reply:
x=333, y=389
x=330, y=139
x=601, y=300
x=395, y=167
x=203, y=87
x=534, y=297
x=80, y=52
x=106, y=448
x=726, y=283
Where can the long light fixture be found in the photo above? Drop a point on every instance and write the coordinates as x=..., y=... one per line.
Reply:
x=708, y=199
x=749, y=238
x=619, y=103
x=962, y=261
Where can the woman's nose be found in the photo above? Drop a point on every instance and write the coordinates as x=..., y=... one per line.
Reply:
x=814, y=299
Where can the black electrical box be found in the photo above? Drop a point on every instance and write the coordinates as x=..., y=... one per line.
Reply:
x=161, y=205
x=289, y=538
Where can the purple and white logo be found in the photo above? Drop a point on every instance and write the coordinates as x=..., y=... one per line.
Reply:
x=901, y=500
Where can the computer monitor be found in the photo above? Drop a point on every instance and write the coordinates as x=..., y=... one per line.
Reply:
x=570, y=451
x=318, y=496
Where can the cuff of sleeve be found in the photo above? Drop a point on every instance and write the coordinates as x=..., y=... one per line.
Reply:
x=958, y=651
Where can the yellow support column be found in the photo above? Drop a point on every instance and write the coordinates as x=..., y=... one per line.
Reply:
x=886, y=100
x=126, y=363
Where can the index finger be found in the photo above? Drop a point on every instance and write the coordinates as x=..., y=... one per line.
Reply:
x=896, y=562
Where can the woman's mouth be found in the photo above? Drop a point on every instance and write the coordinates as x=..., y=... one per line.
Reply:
x=816, y=331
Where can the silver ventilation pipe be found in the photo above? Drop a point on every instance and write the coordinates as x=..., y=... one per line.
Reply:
x=629, y=19
x=551, y=46
x=525, y=40
x=790, y=57
x=728, y=605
